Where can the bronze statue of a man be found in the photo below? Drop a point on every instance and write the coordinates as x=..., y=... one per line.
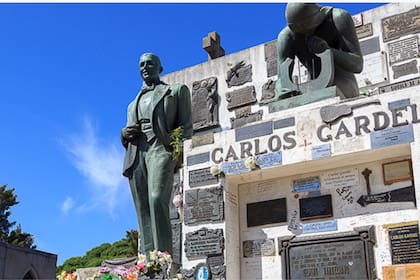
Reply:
x=156, y=111
x=311, y=30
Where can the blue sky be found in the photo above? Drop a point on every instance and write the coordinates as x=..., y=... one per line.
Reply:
x=67, y=73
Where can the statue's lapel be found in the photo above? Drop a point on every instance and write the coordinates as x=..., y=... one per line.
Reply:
x=160, y=92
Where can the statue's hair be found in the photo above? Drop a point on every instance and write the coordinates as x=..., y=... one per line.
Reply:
x=154, y=57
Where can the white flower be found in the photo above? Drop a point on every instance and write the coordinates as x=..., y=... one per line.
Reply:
x=177, y=201
x=215, y=170
x=251, y=163
x=153, y=255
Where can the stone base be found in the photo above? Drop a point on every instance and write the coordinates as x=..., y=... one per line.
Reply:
x=302, y=99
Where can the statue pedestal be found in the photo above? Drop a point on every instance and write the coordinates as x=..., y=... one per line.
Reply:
x=302, y=99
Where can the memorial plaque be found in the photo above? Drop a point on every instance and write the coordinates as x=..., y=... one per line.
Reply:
x=245, y=119
x=340, y=178
x=370, y=46
x=395, y=26
x=400, y=85
x=399, y=103
x=269, y=160
x=266, y=212
x=375, y=70
x=405, y=243
x=203, y=206
x=268, y=92
x=284, y=123
x=321, y=151
x=357, y=20
x=204, y=242
x=242, y=111
x=391, y=136
x=239, y=74
x=201, y=140
x=241, y=97
x=364, y=31
x=315, y=207
x=217, y=267
x=205, y=104
x=234, y=167
x=403, y=50
x=176, y=241
x=270, y=53
x=253, y=131
x=198, y=158
x=397, y=171
x=202, y=177
x=347, y=256
x=306, y=184
x=405, y=69
x=401, y=271
x=258, y=248
x=319, y=226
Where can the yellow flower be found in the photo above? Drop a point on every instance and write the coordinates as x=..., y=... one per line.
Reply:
x=153, y=255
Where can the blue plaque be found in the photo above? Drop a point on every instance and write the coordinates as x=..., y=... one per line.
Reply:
x=321, y=151
x=319, y=226
x=284, y=123
x=253, y=131
x=269, y=160
x=306, y=184
x=399, y=103
x=234, y=167
x=392, y=136
x=202, y=272
x=198, y=158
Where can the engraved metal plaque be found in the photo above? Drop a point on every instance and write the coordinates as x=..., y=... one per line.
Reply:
x=345, y=256
x=217, y=267
x=205, y=104
x=315, y=207
x=364, y=31
x=266, y=212
x=253, y=131
x=245, y=119
x=201, y=140
x=204, y=205
x=241, y=97
x=405, y=244
x=202, y=177
x=204, y=242
x=370, y=46
x=270, y=53
x=403, y=50
x=198, y=158
x=391, y=136
x=402, y=24
x=405, y=69
x=176, y=241
x=258, y=248
x=400, y=85
x=239, y=74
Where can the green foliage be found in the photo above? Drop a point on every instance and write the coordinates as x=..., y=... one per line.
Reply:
x=7, y=233
x=177, y=144
x=106, y=251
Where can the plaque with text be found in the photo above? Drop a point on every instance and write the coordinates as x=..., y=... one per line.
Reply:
x=364, y=31
x=319, y=226
x=321, y=151
x=204, y=242
x=241, y=97
x=395, y=26
x=370, y=46
x=397, y=171
x=202, y=177
x=400, y=85
x=198, y=158
x=306, y=184
x=239, y=74
x=344, y=256
x=403, y=50
x=315, y=207
x=405, y=244
x=374, y=71
x=205, y=104
x=253, y=131
x=258, y=248
x=269, y=160
x=217, y=267
x=203, y=206
x=234, y=167
x=270, y=54
x=245, y=119
x=392, y=136
x=405, y=69
x=266, y=212
x=176, y=241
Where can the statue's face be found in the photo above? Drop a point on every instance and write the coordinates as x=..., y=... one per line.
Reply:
x=150, y=69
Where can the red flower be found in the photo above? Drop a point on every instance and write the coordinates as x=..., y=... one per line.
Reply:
x=141, y=266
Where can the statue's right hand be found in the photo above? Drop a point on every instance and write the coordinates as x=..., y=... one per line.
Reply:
x=131, y=132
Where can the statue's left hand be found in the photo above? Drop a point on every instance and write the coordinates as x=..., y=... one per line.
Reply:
x=316, y=44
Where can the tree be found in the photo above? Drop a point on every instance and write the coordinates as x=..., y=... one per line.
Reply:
x=7, y=233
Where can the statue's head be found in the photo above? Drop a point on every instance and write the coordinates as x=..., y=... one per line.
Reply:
x=304, y=18
x=150, y=68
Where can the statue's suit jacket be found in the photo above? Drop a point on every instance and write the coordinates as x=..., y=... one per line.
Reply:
x=171, y=108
